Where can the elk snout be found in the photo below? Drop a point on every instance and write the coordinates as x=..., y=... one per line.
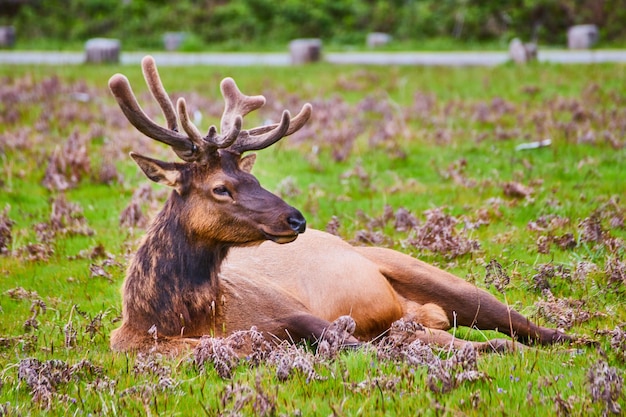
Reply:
x=297, y=222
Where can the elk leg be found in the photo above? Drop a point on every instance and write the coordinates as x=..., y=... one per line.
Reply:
x=464, y=303
x=446, y=340
x=126, y=339
x=309, y=328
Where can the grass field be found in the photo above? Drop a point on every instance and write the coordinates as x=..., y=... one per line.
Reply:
x=435, y=148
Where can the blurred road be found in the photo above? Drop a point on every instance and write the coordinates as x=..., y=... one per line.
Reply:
x=348, y=58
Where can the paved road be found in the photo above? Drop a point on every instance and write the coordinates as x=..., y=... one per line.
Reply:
x=354, y=58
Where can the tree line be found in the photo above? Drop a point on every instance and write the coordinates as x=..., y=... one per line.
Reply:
x=238, y=22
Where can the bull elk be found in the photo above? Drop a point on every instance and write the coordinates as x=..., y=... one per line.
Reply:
x=224, y=254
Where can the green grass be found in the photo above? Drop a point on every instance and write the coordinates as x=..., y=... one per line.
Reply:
x=478, y=115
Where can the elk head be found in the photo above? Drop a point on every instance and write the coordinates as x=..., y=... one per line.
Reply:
x=214, y=198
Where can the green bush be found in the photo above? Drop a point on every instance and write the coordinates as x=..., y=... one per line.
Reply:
x=244, y=23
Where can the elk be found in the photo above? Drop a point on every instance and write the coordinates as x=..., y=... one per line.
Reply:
x=225, y=255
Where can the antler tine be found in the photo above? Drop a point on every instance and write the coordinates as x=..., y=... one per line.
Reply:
x=121, y=89
x=238, y=105
x=151, y=75
x=263, y=136
x=248, y=142
x=296, y=122
x=185, y=121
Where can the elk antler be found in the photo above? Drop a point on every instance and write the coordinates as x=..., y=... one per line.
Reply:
x=193, y=146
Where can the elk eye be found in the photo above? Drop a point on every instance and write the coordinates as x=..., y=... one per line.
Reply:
x=221, y=190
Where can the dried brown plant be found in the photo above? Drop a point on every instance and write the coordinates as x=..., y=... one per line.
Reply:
x=439, y=234
x=546, y=273
x=68, y=165
x=6, y=224
x=67, y=218
x=335, y=336
x=333, y=226
x=516, y=190
x=218, y=352
x=615, y=270
x=606, y=386
x=496, y=275
x=562, y=312
x=44, y=378
x=133, y=215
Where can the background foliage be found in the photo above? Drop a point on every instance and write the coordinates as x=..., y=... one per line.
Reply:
x=239, y=24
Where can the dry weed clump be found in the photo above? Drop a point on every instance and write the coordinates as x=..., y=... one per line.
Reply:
x=443, y=375
x=218, y=352
x=235, y=397
x=516, y=190
x=335, y=336
x=133, y=215
x=456, y=172
x=497, y=276
x=333, y=226
x=290, y=359
x=20, y=293
x=66, y=219
x=618, y=342
x=68, y=165
x=151, y=364
x=338, y=124
x=547, y=273
x=36, y=252
x=606, y=386
x=438, y=234
x=615, y=270
x=251, y=347
x=591, y=230
x=45, y=378
x=225, y=353
x=562, y=312
x=6, y=224
x=37, y=307
x=404, y=221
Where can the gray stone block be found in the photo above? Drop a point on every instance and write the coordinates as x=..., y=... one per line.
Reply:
x=303, y=51
x=101, y=50
x=582, y=36
x=376, y=39
x=520, y=52
x=7, y=36
x=173, y=40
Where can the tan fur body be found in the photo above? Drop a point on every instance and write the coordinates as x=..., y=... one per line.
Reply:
x=319, y=276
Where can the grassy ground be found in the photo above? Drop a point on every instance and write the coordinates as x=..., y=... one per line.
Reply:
x=436, y=143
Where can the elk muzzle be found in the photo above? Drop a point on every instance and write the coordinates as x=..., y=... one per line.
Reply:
x=297, y=224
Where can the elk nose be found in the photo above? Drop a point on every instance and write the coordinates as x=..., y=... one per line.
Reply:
x=297, y=222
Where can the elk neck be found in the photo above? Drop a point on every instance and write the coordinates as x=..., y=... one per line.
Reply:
x=169, y=253
x=172, y=281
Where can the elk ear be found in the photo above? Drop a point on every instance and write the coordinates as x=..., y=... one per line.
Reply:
x=247, y=162
x=167, y=173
